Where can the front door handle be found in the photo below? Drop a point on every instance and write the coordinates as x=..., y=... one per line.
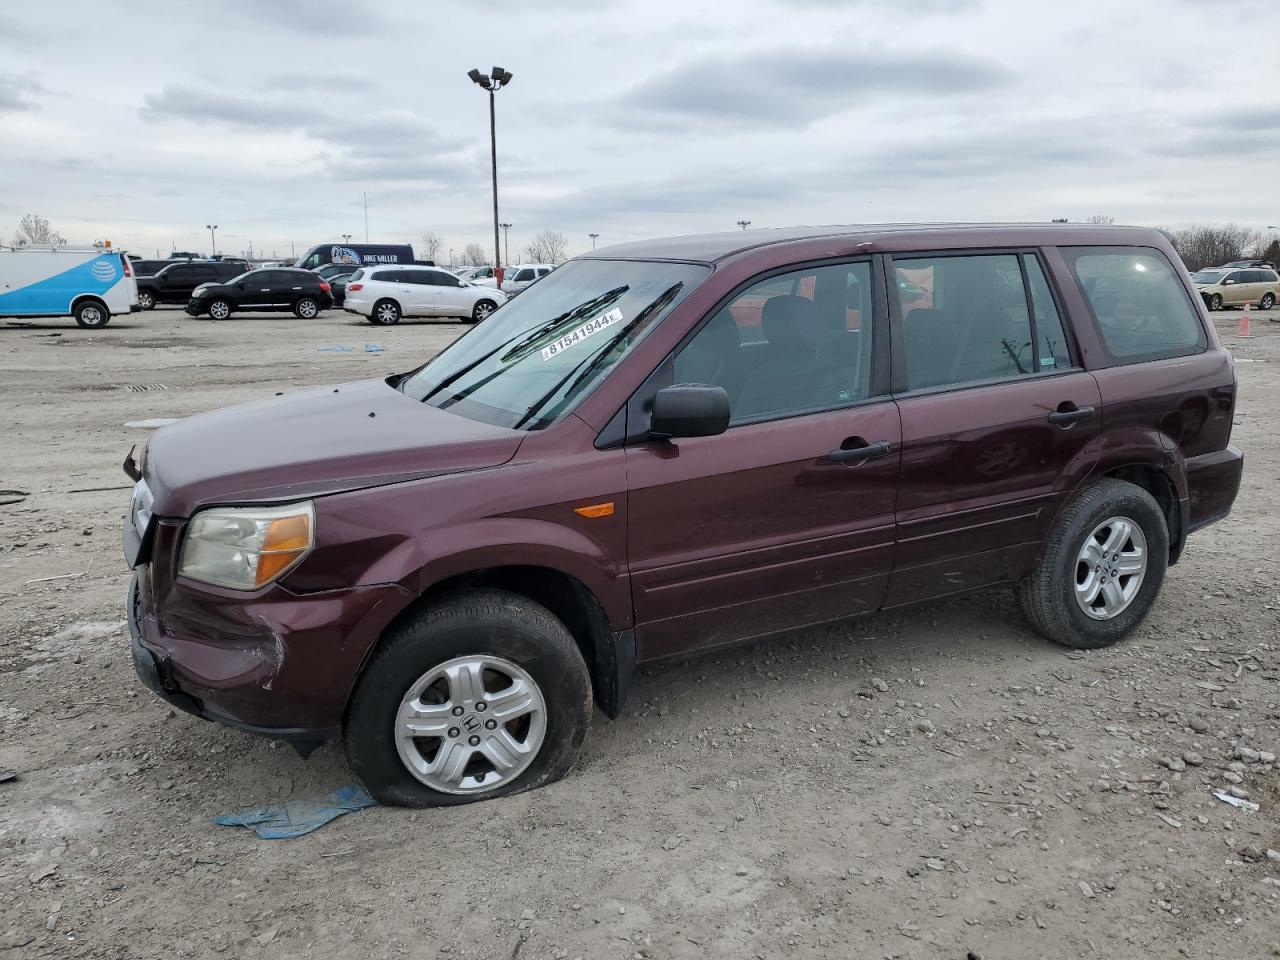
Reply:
x=858, y=449
x=1068, y=413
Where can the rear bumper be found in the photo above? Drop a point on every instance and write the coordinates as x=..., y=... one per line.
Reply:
x=1213, y=480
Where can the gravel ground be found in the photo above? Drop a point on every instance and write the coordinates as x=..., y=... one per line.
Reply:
x=935, y=783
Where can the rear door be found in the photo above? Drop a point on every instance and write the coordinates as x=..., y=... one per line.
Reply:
x=787, y=518
x=995, y=410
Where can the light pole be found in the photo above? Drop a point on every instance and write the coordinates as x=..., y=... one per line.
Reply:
x=213, y=237
x=346, y=238
x=496, y=80
x=594, y=237
x=506, y=240
x=744, y=224
x=451, y=258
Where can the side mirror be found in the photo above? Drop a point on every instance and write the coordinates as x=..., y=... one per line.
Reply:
x=689, y=410
x=1225, y=282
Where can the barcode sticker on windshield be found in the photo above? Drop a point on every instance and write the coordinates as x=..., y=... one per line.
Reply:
x=588, y=329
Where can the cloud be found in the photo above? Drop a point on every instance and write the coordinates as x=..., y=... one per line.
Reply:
x=15, y=91
x=914, y=8
x=396, y=144
x=794, y=87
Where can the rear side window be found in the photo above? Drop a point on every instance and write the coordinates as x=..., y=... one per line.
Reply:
x=1141, y=308
x=1268, y=277
x=358, y=275
x=387, y=276
x=965, y=320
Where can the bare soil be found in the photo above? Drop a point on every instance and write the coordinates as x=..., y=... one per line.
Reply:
x=934, y=783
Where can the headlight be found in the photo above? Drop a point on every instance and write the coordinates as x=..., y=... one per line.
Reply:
x=247, y=547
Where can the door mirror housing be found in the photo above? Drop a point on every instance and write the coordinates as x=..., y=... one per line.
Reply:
x=689, y=410
x=1225, y=282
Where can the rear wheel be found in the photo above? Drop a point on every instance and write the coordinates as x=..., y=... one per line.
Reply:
x=482, y=694
x=219, y=310
x=92, y=314
x=385, y=313
x=1267, y=302
x=1101, y=569
x=482, y=310
x=1215, y=302
x=306, y=308
x=146, y=300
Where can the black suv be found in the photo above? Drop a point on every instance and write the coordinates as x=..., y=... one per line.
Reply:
x=274, y=288
x=174, y=283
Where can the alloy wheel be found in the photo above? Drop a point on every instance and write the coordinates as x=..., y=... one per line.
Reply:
x=1110, y=568
x=484, y=310
x=219, y=310
x=471, y=724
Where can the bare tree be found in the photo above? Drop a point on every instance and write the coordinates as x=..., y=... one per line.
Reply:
x=432, y=244
x=1207, y=246
x=547, y=247
x=1100, y=218
x=35, y=229
x=473, y=255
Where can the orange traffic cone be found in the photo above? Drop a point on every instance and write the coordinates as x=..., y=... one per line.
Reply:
x=1244, y=330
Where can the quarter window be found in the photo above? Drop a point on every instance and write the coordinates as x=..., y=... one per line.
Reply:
x=795, y=343
x=964, y=319
x=1141, y=307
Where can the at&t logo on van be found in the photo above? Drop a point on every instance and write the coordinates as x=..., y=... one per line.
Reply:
x=103, y=271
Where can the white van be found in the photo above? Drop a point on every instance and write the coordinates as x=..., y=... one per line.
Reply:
x=91, y=284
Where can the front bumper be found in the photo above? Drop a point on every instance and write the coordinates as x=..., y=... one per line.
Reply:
x=271, y=662
x=196, y=307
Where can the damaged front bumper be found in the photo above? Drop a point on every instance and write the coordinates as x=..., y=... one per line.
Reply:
x=274, y=662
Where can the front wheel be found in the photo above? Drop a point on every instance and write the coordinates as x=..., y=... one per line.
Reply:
x=306, y=308
x=482, y=310
x=92, y=315
x=1215, y=302
x=1101, y=568
x=146, y=300
x=219, y=310
x=482, y=694
x=385, y=313
x=1267, y=302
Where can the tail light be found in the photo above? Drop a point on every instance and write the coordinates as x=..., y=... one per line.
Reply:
x=324, y=285
x=128, y=267
x=353, y=287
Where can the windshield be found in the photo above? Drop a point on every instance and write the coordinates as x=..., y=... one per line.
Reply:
x=1207, y=276
x=544, y=351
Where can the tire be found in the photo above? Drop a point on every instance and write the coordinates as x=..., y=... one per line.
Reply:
x=1215, y=302
x=306, y=309
x=1049, y=593
x=483, y=310
x=146, y=300
x=385, y=313
x=92, y=314
x=1267, y=302
x=219, y=309
x=461, y=628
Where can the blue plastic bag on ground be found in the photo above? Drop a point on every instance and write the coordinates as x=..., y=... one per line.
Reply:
x=289, y=820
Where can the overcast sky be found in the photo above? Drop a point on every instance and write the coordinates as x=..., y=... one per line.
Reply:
x=629, y=119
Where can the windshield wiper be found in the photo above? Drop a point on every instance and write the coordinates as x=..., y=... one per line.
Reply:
x=591, y=359
x=584, y=308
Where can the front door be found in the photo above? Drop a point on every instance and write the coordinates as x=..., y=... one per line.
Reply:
x=452, y=299
x=259, y=290
x=786, y=519
x=994, y=411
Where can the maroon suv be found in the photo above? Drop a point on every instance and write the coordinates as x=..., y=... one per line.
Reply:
x=447, y=567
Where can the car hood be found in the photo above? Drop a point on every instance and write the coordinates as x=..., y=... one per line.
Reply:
x=312, y=443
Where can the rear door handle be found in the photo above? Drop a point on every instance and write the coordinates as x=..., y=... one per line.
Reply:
x=864, y=451
x=1068, y=413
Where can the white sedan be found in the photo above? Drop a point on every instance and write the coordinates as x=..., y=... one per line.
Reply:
x=383, y=295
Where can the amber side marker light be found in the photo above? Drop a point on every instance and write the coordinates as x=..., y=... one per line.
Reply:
x=595, y=510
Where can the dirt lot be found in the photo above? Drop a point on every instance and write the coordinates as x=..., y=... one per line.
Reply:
x=932, y=783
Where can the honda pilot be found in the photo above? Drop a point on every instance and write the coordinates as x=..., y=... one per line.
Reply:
x=669, y=447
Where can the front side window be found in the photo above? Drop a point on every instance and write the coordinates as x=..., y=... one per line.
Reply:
x=795, y=343
x=543, y=352
x=965, y=319
x=525, y=274
x=1141, y=307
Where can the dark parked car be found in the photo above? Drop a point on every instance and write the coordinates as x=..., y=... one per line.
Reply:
x=173, y=283
x=272, y=289
x=448, y=566
x=338, y=286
